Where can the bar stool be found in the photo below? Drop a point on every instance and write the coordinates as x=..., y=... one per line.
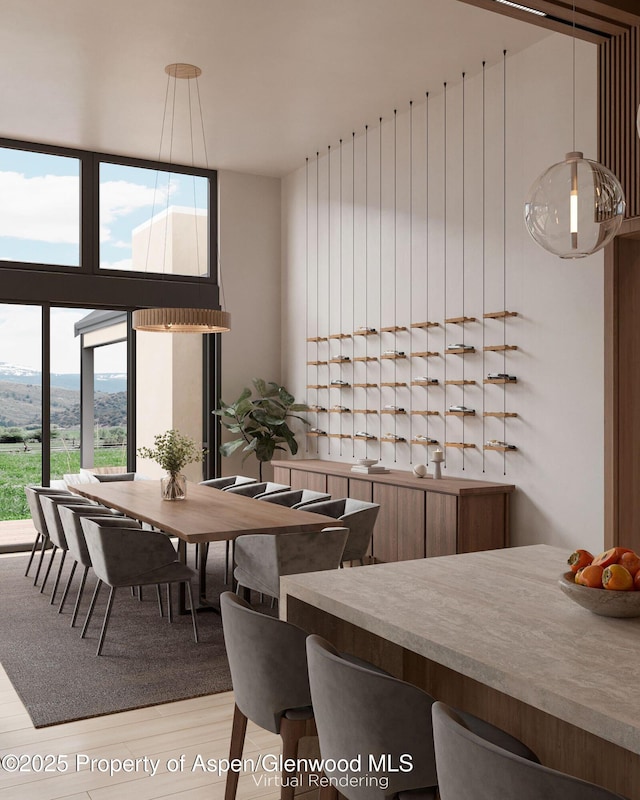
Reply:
x=471, y=768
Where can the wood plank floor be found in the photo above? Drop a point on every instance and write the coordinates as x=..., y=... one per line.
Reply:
x=194, y=728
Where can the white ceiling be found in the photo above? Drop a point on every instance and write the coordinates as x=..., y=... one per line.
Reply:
x=281, y=78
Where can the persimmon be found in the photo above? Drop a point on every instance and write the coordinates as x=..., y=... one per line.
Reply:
x=610, y=556
x=581, y=558
x=618, y=578
x=636, y=581
x=631, y=561
x=590, y=576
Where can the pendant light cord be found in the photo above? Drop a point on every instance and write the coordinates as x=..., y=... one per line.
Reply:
x=573, y=56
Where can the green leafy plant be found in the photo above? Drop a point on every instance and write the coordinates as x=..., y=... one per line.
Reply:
x=261, y=421
x=172, y=450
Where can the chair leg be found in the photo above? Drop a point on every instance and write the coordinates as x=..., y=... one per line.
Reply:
x=291, y=732
x=238, y=731
x=107, y=615
x=226, y=562
x=57, y=580
x=67, y=587
x=159, y=593
x=76, y=607
x=45, y=542
x=92, y=605
x=243, y=592
x=54, y=549
x=194, y=616
x=36, y=542
x=169, y=603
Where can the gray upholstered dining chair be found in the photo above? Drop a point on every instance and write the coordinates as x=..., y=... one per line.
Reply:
x=50, y=505
x=471, y=768
x=70, y=517
x=361, y=713
x=268, y=664
x=132, y=557
x=262, y=558
x=358, y=515
x=228, y=482
x=296, y=498
x=42, y=536
x=258, y=489
x=224, y=484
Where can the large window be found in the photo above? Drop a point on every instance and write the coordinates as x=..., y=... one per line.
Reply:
x=86, y=238
x=39, y=208
x=153, y=221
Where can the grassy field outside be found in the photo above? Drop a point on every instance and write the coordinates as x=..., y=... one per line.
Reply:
x=19, y=468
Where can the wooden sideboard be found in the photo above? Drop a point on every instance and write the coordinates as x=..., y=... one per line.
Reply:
x=419, y=517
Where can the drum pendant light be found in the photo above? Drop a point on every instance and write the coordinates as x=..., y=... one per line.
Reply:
x=575, y=207
x=183, y=320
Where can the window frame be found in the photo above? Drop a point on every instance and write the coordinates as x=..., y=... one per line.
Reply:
x=88, y=286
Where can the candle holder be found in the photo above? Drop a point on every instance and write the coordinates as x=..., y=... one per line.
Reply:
x=436, y=459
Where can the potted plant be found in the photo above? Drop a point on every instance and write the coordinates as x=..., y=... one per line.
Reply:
x=172, y=451
x=261, y=421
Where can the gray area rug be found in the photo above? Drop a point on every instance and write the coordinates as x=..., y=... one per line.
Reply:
x=145, y=660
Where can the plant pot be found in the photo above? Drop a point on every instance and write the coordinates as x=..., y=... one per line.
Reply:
x=173, y=486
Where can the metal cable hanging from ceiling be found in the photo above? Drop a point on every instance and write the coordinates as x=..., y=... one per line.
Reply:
x=395, y=281
x=410, y=390
x=306, y=283
x=318, y=277
x=464, y=339
x=484, y=259
x=504, y=252
x=329, y=294
x=426, y=244
x=444, y=228
x=340, y=284
x=380, y=282
x=366, y=285
x=353, y=286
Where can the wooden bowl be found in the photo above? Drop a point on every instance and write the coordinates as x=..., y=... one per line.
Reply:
x=604, y=602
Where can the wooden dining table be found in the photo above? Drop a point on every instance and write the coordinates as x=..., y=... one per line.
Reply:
x=205, y=515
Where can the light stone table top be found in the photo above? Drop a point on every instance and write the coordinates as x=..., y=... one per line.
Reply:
x=500, y=618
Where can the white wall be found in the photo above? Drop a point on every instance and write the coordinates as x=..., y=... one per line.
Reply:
x=378, y=258
x=249, y=209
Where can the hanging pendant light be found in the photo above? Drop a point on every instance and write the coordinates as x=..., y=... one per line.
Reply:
x=575, y=207
x=183, y=320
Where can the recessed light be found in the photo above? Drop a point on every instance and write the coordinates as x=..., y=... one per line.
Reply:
x=522, y=8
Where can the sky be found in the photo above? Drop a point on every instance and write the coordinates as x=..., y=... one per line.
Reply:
x=39, y=223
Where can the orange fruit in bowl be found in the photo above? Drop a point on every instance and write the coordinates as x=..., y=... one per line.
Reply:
x=579, y=559
x=590, y=576
x=630, y=561
x=636, y=581
x=617, y=577
x=610, y=556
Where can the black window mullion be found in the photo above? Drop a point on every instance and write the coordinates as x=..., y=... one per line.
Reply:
x=45, y=428
x=131, y=395
x=90, y=222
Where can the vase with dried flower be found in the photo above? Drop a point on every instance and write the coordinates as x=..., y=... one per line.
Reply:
x=172, y=451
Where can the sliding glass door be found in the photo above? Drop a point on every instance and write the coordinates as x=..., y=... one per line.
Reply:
x=64, y=397
x=20, y=406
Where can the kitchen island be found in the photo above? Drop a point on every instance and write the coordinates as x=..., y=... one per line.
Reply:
x=492, y=633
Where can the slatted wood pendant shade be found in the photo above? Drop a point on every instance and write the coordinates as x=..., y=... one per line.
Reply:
x=182, y=320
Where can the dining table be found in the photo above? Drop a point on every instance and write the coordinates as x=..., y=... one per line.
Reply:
x=205, y=515
x=492, y=633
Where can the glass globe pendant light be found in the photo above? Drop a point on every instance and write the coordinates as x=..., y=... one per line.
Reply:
x=575, y=207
